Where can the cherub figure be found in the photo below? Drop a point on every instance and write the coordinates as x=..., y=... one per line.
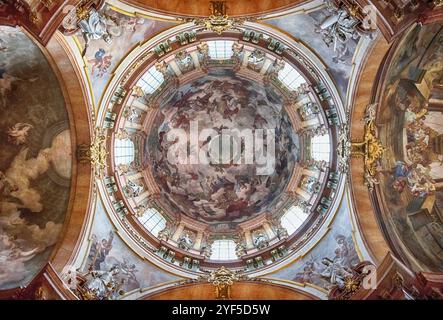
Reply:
x=18, y=133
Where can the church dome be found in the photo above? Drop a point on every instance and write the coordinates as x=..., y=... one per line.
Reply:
x=223, y=147
x=242, y=149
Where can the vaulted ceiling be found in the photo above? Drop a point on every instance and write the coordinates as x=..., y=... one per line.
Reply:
x=319, y=159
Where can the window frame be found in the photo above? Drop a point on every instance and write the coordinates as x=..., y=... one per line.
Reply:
x=223, y=253
x=151, y=80
x=121, y=157
x=293, y=219
x=152, y=214
x=321, y=147
x=220, y=49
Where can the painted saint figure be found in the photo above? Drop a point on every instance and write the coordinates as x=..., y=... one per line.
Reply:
x=100, y=250
x=94, y=27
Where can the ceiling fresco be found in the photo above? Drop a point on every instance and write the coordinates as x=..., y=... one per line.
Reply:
x=410, y=125
x=35, y=159
x=108, y=258
x=119, y=34
x=319, y=31
x=221, y=151
x=229, y=188
x=332, y=260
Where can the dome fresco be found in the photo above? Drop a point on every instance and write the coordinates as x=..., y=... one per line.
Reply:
x=230, y=188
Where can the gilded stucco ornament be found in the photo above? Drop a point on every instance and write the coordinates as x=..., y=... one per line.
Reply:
x=95, y=153
x=218, y=21
x=370, y=149
x=223, y=279
x=218, y=24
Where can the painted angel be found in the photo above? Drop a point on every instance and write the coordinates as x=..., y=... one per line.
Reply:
x=18, y=133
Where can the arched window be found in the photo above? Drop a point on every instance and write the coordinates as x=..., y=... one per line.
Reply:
x=223, y=250
x=151, y=80
x=290, y=77
x=123, y=151
x=153, y=221
x=293, y=219
x=220, y=49
x=321, y=148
